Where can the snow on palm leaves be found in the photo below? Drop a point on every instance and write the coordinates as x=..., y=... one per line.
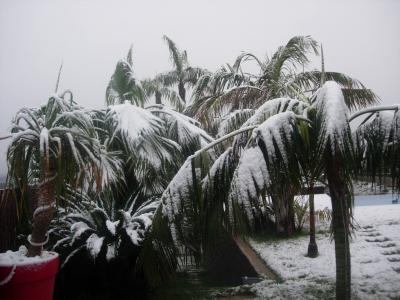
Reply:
x=101, y=228
x=271, y=142
x=55, y=133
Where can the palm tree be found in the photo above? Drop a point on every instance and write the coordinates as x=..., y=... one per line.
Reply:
x=224, y=100
x=183, y=75
x=236, y=184
x=123, y=85
x=51, y=146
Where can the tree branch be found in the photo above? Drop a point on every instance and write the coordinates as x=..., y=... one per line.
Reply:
x=373, y=109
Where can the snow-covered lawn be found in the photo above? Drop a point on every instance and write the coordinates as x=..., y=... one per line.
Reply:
x=375, y=254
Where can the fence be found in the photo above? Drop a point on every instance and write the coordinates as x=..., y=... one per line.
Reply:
x=8, y=221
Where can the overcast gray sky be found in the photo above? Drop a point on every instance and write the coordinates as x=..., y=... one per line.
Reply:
x=360, y=38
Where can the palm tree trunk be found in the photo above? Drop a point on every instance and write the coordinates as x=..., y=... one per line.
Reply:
x=182, y=91
x=158, y=97
x=312, y=245
x=43, y=213
x=284, y=213
x=340, y=222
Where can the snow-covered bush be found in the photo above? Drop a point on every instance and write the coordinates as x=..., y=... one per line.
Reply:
x=102, y=227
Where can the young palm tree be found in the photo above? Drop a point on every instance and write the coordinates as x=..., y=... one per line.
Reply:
x=236, y=185
x=53, y=145
x=183, y=75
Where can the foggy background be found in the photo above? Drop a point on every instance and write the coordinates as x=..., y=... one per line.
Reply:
x=360, y=38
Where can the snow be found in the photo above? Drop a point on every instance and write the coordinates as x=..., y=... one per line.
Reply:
x=275, y=106
x=44, y=143
x=77, y=229
x=228, y=122
x=177, y=189
x=176, y=193
x=250, y=176
x=330, y=101
x=110, y=252
x=19, y=257
x=94, y=244
x=26, y=134
x=187, y=128
x=133, y=121
x=375, y=254
x=275, y=129
x=73, y=148
x=219, y=163
x=111, y=226
x=134, y=235
x=111, y=167
x=321, y=201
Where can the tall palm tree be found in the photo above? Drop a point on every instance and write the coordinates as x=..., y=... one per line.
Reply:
x=51, y=146
x=236, y=184
x=183, y=76
x=222, y=101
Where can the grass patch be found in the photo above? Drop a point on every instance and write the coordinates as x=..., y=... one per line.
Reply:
x=323, y=289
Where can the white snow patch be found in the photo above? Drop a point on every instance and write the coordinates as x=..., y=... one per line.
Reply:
x=250, y=175
x=133, y=120
x=19, y=258
x=111, y=226
x=94, y=244
x=375, y=257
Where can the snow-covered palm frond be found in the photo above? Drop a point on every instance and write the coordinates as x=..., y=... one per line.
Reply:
x=333, y=113
x=266, y=110
x=182, y=129
x=377, y=143
x=150, y=154
x=133, y=122
x=178, y=198
x=233, y=121
x=276, y=106
x=250, y=178
x=270, y=143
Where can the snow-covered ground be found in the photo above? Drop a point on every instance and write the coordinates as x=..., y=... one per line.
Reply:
x=375, y=253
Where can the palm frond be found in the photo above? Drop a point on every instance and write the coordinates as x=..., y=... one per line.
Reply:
x=177, y=58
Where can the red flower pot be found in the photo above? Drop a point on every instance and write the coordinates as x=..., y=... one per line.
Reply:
x=32, y=280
